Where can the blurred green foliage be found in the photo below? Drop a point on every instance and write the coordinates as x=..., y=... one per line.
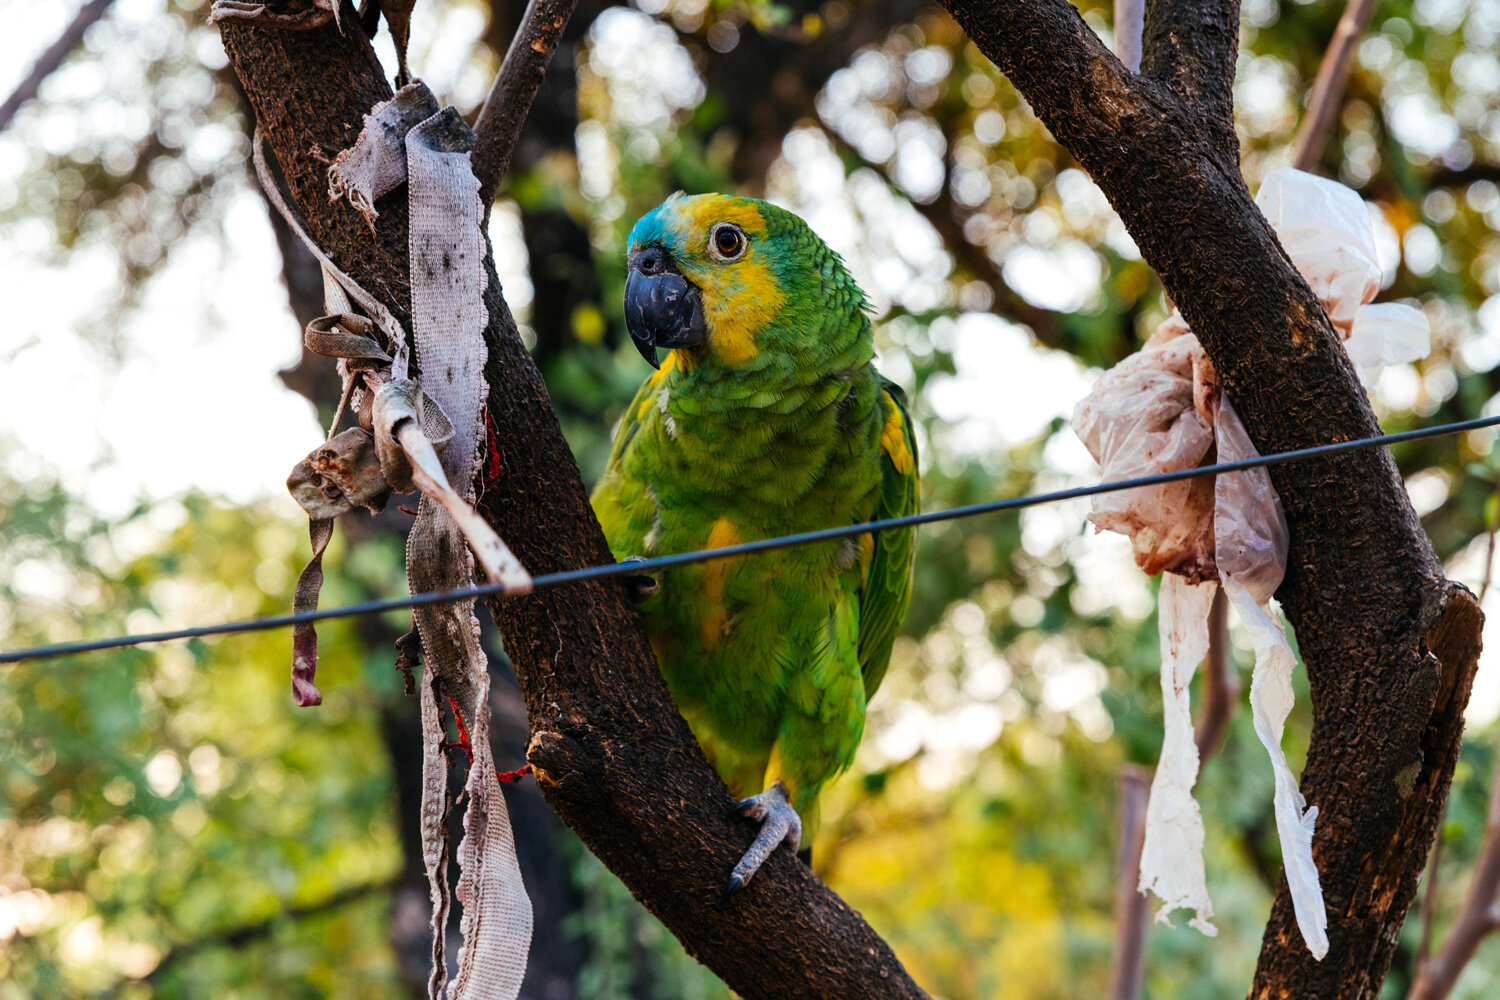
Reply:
x=167, y=811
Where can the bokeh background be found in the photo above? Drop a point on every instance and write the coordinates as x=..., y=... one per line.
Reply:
x=170, y=826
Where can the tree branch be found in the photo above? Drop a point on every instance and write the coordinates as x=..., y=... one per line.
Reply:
x=1429, y=897
x=1390, y=645
x=1328, y=88
x=942, y=214
x=613, y=756
x=1221, y=685
x=759, y=117
x=1046, y=50
x=1477, y=919
x=1190, y=45
x=515, y=88
x=49, y=60
x=1463, y=177
x=241, y=935
x=1131, y=921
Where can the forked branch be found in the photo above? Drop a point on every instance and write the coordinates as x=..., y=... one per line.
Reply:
x=1390, y=645
x=52, y=58
x=509, y=102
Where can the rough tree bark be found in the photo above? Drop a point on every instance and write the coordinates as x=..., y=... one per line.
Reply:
x=1390, y=645
x=612, y=754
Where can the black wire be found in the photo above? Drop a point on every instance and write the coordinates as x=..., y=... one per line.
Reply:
x=635, y=567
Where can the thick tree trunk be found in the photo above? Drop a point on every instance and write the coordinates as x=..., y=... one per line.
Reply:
x=612, y=754
x=1390, y=645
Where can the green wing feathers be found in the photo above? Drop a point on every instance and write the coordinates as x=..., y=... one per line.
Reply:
x=631, y=421
x=887, y=580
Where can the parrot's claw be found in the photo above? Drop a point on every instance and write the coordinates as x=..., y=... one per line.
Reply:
x=639, y=586
x=779, y=823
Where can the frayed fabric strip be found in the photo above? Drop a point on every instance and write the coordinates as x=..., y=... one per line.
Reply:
x=304, y=636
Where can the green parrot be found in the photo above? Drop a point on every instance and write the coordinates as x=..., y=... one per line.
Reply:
x=766, y=418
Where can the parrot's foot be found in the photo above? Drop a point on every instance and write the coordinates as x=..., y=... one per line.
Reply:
x=639, y=586
x=779, y=823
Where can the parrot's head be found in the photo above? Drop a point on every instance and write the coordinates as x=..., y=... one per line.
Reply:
x=736, y=279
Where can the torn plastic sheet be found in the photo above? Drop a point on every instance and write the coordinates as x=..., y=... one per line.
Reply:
x=1252, y=554
x=1162, y=410
x=1144, y=417
x=1270, y=703
x=1174, y=826
x=1249, y=531
x=1325, y=228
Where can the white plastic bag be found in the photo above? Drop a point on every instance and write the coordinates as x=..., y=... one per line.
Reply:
x=1162, y=410
x=1154, y=413
x=1325, y=228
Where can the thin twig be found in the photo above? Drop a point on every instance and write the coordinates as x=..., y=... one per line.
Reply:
x=1476, y=920
x=1130, y=19
x=1130, y=903
x=1221, y=685
x=515, y=88
x=1430, y=884
x=1429, y=898
x=1328, y=89
x=52, y=58
x=1489, y=554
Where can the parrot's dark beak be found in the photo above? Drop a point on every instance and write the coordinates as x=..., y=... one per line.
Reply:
x=662, y=308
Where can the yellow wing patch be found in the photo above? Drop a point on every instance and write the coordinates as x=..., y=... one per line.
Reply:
x=893, y=436
x=722, y=535
x=866, y=556
x=775, y=771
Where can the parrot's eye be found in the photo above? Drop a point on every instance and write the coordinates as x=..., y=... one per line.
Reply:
x=727, y=241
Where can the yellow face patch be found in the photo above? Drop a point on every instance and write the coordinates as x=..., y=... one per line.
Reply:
x=893, y=436
x=703, y=212
x=740, y=297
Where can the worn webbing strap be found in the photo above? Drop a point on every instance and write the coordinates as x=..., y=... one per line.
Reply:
x=448, y=320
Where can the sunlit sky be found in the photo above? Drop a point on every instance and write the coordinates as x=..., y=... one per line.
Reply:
x=193, y=401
